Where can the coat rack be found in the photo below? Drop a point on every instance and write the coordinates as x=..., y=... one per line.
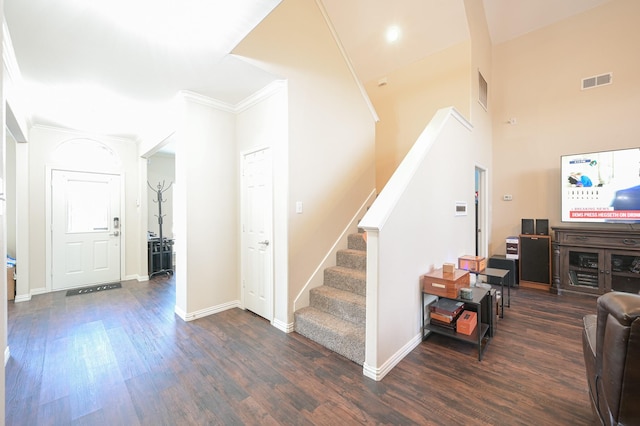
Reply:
x=159, y=190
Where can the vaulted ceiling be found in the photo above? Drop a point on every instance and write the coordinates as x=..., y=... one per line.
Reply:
x=113, y=66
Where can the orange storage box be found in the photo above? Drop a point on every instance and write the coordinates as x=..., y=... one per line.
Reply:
x=444, y=284
x=467, y=322
x=472, y=263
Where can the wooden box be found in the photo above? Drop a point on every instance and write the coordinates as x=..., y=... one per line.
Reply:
x=11, y=283
x=443, y=284
x=467, y=322
x=472, y=263
x=448, y=268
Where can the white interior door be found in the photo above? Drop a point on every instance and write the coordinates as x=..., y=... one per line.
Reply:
x=257, y=279
x=85, y=228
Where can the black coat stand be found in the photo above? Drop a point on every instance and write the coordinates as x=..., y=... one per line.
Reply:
x=159, y=190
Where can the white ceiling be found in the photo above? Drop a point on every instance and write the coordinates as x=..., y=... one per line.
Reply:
x=113, y=66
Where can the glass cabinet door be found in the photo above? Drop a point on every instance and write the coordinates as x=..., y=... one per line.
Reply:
x=625, y=272
x=584, y=270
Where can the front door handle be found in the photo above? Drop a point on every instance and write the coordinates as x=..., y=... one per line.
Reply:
x=115, y=234
x=265, y=242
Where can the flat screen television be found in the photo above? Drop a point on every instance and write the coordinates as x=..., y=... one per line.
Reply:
x=601, y=187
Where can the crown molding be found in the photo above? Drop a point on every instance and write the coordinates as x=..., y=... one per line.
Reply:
x=206, y=101
x=260, y=95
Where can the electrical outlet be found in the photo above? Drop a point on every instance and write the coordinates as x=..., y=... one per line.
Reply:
x=507, y=197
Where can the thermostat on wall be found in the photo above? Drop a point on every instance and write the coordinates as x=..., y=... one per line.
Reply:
x=461, y=208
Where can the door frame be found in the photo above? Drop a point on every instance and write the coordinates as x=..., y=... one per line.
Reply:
x=243, y=260
x=482, y=210
x=49, y=216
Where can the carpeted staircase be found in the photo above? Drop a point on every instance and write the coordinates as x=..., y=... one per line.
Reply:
x=335, y=317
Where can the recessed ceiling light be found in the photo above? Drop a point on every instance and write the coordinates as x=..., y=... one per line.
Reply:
x=393, y=34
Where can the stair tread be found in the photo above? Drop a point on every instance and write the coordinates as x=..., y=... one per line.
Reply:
x=344, y=278
x=347, y=296
x=354, y=251
x=349, y=271
x=335, y=324
x=340, y=336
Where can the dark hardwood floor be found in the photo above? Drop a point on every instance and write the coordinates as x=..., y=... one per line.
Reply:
x=122, y=357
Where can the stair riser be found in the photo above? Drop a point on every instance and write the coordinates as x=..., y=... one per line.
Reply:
x=347, y=282
x=349, y=346
x=352, y=259
x=356, y=242
x=352, y=312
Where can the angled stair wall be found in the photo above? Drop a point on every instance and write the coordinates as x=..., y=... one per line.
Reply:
x=335, y=317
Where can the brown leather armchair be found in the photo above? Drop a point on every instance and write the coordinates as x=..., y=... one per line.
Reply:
x=611, y=347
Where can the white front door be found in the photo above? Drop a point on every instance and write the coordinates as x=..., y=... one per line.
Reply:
x=85, y=228
x=257, y=244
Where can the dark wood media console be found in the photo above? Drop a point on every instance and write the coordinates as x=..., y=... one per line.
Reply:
x=596, y=260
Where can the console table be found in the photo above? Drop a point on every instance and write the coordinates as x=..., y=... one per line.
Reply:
x=501, y=275
x=482, y=334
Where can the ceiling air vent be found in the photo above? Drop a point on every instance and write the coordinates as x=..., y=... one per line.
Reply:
x=598, y=80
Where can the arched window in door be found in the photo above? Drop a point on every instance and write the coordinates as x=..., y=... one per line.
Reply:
x=87, y=155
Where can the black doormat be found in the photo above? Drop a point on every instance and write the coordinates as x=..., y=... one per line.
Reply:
x=93, y=289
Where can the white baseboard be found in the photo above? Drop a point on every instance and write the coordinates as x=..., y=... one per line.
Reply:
x=22, y=298
x=135, y=277
x=37, y=291
x=282, y=326
x=378, y=374
x=190, y=316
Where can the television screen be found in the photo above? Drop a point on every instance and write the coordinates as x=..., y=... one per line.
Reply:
x=601, y=186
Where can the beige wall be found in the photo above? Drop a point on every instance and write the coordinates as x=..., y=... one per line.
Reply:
x=411, y=97
x=413, y=229
x=536, y=81
x=205, y=210
x=480, y=118
x=445, y=176
x=331, y=131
